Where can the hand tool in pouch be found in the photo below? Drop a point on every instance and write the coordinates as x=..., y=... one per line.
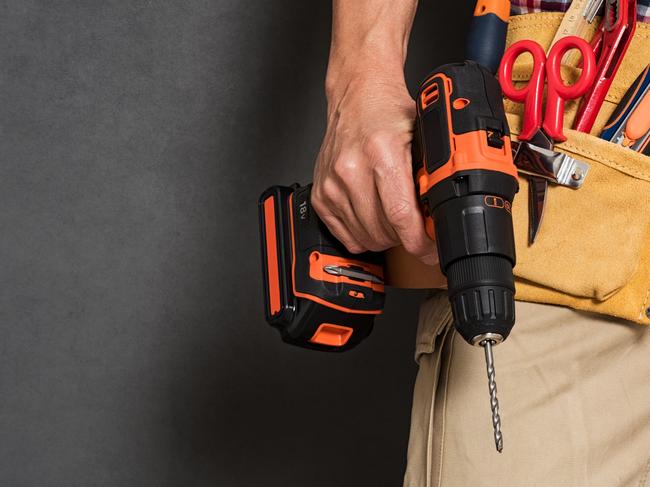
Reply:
x=466, y=182
x=539, y=134
x=578, y=21
x=486, y=40
x=629, y=125
x=610, y=46
x=317, y=294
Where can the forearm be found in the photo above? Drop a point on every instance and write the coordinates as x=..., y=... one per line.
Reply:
x=363, y=180
x=369, y=39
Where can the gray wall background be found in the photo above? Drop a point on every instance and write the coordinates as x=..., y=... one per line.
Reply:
x=135, y=138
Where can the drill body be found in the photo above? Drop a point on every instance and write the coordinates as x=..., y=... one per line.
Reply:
x=466, y=181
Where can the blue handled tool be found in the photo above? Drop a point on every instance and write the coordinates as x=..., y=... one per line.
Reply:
x=487, y=34
x=631, y=104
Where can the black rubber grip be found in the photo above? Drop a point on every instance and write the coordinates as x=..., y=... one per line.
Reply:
x=481, y=292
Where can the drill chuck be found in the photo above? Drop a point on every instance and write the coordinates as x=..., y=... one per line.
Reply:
x=475, y=240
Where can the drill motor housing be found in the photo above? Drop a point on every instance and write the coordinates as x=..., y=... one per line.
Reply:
x=466, y=180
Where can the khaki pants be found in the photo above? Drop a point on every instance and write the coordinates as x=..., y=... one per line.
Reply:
x=574, y=393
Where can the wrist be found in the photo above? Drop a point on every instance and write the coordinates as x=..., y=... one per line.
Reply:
x=357, y=71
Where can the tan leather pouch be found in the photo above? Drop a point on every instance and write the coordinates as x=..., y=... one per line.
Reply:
x=593, y=249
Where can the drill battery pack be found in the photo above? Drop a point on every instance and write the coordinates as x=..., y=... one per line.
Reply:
x=317, y=294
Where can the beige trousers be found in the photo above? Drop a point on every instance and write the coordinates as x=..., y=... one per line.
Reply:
x=574, y=393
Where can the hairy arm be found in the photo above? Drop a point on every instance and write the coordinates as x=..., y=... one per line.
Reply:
x=363, y=183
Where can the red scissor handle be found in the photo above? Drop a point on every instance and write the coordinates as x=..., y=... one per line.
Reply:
x=557, y=93
x=531, y=94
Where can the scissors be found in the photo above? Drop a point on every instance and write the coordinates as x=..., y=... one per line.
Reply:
x=537, y=132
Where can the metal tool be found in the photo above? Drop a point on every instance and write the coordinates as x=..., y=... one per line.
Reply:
x=628, y=125
x=539, y=132
x=492, y=387
x=592, y=9
x=557, y=167
x=610, y=46
x=352, y=273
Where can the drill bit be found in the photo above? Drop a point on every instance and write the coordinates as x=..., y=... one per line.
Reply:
x=494, y=402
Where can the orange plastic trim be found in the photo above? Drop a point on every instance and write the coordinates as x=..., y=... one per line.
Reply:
x=332, y=335
x=639, y=122
x=318, y=261
x=429, y=95
x=468, y=151
x=311, y=297
x=272, y=255
x=500, y=8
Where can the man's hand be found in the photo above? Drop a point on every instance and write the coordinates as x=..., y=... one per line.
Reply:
x=363, y=182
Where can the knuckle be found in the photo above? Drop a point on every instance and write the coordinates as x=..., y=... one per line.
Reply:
x=378, y=139
x=319, y=202
x=330, y=193
x=345, y=167
x=377, y=145
x=316, y=195
x=398, y=211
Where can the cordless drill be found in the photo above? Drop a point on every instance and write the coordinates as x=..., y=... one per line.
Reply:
x=320, y=296
x=466, y=181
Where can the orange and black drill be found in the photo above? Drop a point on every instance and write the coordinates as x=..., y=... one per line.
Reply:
x=466, y=181
x=323, y=297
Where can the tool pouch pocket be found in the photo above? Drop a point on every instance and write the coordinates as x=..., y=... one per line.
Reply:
x=593, y=249
x=591, y=240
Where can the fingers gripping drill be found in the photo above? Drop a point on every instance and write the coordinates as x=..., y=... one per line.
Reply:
x=466, y=181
